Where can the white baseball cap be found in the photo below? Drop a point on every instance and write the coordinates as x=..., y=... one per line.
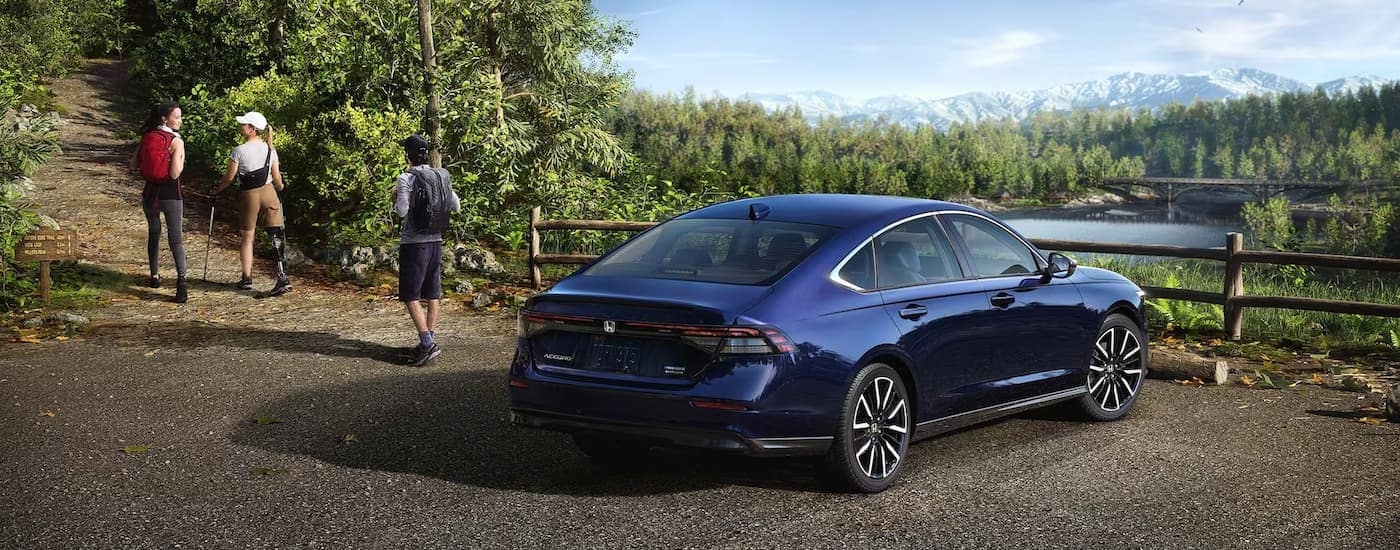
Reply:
x=254, y=119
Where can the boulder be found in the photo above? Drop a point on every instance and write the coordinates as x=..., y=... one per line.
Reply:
x=474, y=257
x=463, y=287
x=483, y=299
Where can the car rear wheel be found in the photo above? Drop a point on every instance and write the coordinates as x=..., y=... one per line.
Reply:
x=1116, y=370
x=875, y=429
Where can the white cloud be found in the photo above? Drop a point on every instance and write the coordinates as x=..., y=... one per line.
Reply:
x=1287, y=30
x=1002, y=49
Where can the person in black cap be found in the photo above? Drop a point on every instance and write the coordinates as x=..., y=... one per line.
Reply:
x=423, y=197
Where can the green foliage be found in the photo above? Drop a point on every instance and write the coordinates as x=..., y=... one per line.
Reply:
x=1361, y=227
x=1271, y=224
x=1184, y=315
x=522, y=88
x=25, y=143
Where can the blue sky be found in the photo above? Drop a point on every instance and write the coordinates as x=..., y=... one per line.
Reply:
x=868, y=48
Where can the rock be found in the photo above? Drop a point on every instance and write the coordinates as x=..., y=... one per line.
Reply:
x=33, y=322
x=295, y=257
x=71, y=319
x=1392, y=403
x=483, y=299
x=361, y=273
x=363, y=255
x=463, y=287
x=474, y=257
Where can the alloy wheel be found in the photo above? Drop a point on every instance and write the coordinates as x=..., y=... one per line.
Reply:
x=880, y=428
x=1115, y=372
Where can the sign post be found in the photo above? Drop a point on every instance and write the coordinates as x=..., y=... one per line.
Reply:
x=44, y=246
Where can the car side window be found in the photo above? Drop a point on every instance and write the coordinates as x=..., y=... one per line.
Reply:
x=860, y=269
x=992, y=250
x=914, y=253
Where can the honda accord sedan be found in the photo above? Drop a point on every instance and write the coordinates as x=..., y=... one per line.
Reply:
x=841, y=325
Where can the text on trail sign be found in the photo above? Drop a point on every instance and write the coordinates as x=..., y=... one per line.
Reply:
x=47, y=244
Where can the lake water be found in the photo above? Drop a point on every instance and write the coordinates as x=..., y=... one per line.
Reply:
x=1195, y=224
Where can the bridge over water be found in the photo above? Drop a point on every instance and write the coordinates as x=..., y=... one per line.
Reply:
x=1172, y=188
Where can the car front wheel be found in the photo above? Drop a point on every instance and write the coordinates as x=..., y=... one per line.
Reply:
x=873, y=437
x=1116, y=370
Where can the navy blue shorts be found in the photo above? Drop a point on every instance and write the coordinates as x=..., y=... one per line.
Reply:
x=420, y=271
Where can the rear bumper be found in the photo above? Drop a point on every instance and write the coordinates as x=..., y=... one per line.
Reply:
x=677, y=436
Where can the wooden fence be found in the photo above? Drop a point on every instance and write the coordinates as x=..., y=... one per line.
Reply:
x=1233, y=298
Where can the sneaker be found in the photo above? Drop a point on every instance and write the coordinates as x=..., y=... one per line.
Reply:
x=422, y=355
x=182, y=291
x=154, y=282
x=246, y=283
x=283, y=285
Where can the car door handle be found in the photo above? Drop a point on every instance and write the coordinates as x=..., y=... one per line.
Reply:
x=913, y=312
x=1003, y=299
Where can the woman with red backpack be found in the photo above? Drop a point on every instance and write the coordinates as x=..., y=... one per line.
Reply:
x=160, y=159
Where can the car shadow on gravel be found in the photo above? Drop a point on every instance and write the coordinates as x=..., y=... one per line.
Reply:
x=195, y=335
x=454, y=426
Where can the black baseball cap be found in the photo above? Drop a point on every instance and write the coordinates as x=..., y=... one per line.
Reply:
x=415, y=142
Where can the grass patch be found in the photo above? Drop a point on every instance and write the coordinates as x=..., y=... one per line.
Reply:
x=1296, y=329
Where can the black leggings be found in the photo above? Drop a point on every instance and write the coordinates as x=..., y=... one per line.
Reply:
x=174, y=213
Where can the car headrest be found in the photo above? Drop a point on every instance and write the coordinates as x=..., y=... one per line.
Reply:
x=785, y=247
x=898, y=254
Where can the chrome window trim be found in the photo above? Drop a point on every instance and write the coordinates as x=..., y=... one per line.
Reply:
x=835, y=274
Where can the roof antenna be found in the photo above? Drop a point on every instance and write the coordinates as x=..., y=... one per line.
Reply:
x=758, y=211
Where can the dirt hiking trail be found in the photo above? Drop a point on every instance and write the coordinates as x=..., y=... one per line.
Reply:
x=88, y=188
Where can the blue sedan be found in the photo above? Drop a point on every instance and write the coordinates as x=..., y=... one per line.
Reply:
x=839, y=325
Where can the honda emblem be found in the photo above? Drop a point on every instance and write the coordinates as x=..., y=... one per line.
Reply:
x=609, y=327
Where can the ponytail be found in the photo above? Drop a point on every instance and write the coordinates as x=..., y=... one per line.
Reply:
x=158, y=114
x=267, y=135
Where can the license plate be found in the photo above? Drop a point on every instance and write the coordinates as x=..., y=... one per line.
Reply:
x=615, y=357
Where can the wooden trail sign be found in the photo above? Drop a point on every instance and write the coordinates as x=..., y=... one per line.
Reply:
x=44, y=246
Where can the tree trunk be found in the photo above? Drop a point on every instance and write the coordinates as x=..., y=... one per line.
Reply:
x=431, y=122
x=1170, y=364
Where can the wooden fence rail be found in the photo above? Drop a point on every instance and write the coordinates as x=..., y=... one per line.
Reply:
x=1233, y=254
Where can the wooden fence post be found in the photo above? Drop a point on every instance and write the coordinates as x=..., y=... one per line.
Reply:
x=534, y=247
x=1234, y=284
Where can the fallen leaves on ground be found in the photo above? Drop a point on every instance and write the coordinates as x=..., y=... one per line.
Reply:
x=135, y=449
x=1370, y=420
x=47, y=413
x=1194, y=381
x=350, y=439
x=265, y=419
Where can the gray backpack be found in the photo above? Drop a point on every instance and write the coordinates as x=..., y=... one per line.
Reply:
x=430, y=210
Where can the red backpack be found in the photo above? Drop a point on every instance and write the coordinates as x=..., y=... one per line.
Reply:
x=154, y=156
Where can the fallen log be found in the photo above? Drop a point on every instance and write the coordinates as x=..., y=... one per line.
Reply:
x=1170, y=364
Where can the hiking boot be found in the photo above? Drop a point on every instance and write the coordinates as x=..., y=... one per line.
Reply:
x=246, y=283
x=283, y=285
x=422, y=355
x=182, y=291
x=154, y=282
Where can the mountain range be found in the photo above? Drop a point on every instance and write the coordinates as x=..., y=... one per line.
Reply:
x=1121, y=91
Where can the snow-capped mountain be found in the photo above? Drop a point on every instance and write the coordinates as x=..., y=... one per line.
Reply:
x=1121, y=91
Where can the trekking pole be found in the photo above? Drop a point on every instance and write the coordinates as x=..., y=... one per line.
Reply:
x=213, y=198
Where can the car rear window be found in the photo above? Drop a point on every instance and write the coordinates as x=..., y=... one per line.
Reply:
x=714, y=250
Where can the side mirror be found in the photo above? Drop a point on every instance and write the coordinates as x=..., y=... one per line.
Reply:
x=1061, y=267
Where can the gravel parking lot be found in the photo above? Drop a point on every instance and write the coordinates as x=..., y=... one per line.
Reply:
x=355, y=451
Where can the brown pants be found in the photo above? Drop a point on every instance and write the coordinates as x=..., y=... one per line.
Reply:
x=254, y=203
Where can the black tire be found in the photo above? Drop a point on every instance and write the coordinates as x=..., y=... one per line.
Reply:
x=612, y=450
x=1117, y=368
x=872, y=441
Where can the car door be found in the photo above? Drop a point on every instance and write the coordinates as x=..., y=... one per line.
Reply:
x=1039, y=322
x=941, y=314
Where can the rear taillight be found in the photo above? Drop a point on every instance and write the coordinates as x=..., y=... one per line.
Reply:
x=724, y=340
